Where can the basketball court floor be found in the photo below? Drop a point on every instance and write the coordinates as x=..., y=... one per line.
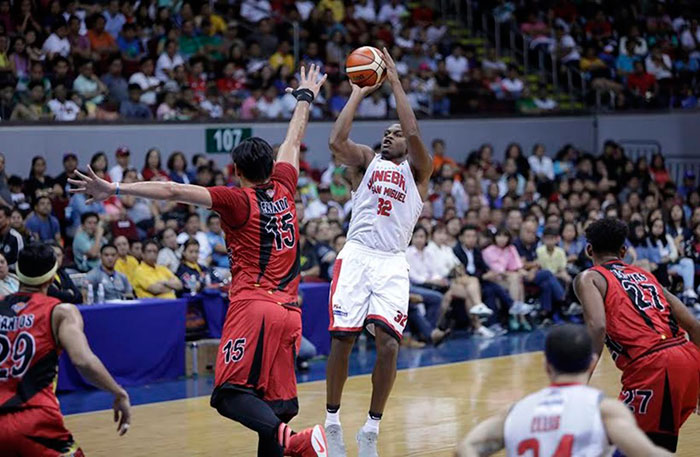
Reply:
x=438, y=396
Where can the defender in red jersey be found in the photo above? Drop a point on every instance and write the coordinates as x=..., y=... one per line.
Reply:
x=34, y=329
x=646, y=329
x=255, y=380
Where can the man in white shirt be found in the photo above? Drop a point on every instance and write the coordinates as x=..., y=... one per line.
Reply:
x=659, y=64
x=167, y=61
x=114, y=19
x=374, y=106
x=457, y=65
x=62, y=108
x=270, y=106
x=255, y=11
x=513, y=85
x=149, y=84
x=57, y=43
x=193, y=227
x=122, y=154
x=690, y=39
x=319, y=207
x=392, y=12
x=564, y=47
x=540, y=164
x=364, y=9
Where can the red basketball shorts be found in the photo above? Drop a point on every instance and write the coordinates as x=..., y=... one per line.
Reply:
x=36, y=432
x=662, y=388
x=258, y=349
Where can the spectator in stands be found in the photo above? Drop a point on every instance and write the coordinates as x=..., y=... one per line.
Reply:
x=34, y=108
x=63, y=287
x=640, y=45
x=11, y=241
x=625, y=60
x=193, y=229
x=38, y=182
x=146, y=80
x=115, y=19
x=114, y=81
x=133, y=107
x=88, y=242
x=642, y=85
x=170, y=253
x=101, y=42
x=217, y=242
x=79, y=42
x=542, y=166
x=115, y=284
x=41, y=223
x=88, y=85
x=125, y=263
x=152, y=280
x=564, y=48
x=122, y=155
x=9, y=284
x=658, y=171
x=551, y=257
x=57, y=43
x=324, y=252
x=193, y=276
x=457, y=64
x=551, y=291
x=129, y=44
x=513, y=85
x=177, y=164
x=374, y=106
x=152, y=167
x=168, y=60
x=503, y=259
x=62, y=108
x=308, y=263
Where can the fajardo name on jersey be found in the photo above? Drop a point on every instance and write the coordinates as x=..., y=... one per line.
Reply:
x=274, y=207
x=14, y=323
x=388, y=176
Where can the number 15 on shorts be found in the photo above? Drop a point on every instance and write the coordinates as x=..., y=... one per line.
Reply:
x=234, y=350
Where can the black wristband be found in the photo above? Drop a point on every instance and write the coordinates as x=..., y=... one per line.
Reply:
x=303, y=95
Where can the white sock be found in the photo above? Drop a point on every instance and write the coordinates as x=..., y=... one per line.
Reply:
x=372, y=425
x=332, y=418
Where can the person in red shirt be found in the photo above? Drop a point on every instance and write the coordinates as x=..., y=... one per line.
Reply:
x=640, y=82
x=255, y=382
x=36, y=328
x=644, y=327
x=153, y=167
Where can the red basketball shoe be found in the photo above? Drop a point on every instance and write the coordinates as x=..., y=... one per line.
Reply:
x=308, y=443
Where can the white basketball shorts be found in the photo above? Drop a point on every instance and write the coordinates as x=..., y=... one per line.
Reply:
x=369, y=288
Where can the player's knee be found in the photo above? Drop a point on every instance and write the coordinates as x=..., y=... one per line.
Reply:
x=387, y=347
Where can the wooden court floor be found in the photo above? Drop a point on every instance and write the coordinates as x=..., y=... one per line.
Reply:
x=431, y=408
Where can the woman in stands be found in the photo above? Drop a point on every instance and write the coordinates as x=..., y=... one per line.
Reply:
x=503, y=258
x=177, y=164
x=38, y=180
x=152, y=169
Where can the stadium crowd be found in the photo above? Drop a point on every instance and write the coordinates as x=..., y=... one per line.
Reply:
x=70, y=60
x=495, y=249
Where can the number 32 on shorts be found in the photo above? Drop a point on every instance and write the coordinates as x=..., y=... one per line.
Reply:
x=234, y=350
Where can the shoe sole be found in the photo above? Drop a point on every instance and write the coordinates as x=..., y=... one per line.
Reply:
x=319, y=442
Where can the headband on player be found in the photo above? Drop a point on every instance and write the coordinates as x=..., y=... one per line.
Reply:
x=303, y=95
x=37, y=280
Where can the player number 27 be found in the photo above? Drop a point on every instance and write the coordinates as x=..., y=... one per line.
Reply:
x=564, y=449
x=384, y=207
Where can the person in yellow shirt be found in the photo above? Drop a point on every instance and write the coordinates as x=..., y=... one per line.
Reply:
x=282, y=57
x=126, y=263
x=336, y=6
x=551, y=257
x=152, y=280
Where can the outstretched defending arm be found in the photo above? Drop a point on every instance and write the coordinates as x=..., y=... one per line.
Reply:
x=485, y=439
x=623, y=432
x=308, y=89
x=418, y=154
x=67, y=325
x=345, y=150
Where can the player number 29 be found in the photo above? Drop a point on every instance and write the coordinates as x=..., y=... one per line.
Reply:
x=384, y=207
x=22, y=352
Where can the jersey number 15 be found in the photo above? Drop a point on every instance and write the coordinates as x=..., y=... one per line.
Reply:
x=282, y=230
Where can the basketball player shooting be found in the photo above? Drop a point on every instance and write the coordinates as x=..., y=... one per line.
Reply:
x=568, y=418
x=255, y=382
x=644, y=327
x=370, y=279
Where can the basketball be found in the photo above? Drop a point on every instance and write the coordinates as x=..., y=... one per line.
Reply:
x=365, y=66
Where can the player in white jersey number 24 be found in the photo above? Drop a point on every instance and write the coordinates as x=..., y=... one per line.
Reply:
x=566, y=419
x=370, y=277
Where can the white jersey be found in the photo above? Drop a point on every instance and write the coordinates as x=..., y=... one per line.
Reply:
x=385, y=207
x=558, y=421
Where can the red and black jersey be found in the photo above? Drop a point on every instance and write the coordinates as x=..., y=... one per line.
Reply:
x=28, y=352
x=638, y=317
x=262, y=234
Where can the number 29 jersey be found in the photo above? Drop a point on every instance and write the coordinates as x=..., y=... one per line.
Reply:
x=385, y=207
x=262, y=237
x=638, y=317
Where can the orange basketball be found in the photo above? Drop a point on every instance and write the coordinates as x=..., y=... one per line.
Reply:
x=365, y=66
